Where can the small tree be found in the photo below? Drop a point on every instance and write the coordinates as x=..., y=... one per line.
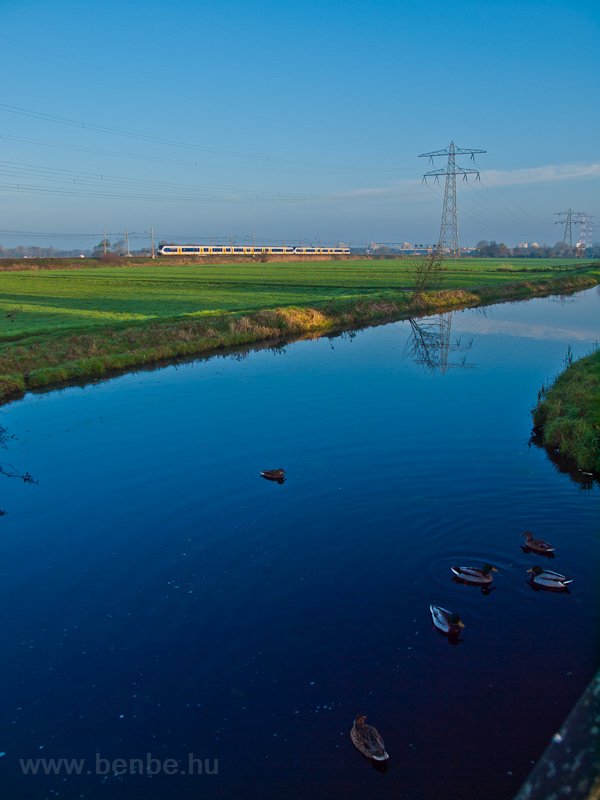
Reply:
x=120, y=247
x=101, y=248
x=426, y=273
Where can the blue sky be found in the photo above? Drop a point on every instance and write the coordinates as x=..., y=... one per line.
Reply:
x=290, y=120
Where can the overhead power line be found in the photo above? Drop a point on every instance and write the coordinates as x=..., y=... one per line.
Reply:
x=448, y=239
x=143, y=137
x=58, y=174
x=133, y=156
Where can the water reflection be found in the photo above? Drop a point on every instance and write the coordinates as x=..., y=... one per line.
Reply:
x=6, y=469
x=586, y=480
x=156, y=591
x=526, y=549
x=430, y=343
x=485, y=588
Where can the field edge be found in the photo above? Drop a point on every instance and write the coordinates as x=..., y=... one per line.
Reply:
x=52, y=360
x=567, y=415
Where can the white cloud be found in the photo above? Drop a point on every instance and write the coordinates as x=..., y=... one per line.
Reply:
x=547, y=174
x=552, y=173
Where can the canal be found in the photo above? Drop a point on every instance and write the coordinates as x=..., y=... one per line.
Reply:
x=160, y=601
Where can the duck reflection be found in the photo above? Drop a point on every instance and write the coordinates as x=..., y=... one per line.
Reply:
x=380, y=766
x=526, y=549
x=484, y=589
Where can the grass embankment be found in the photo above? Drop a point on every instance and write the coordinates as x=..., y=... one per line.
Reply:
x=59, y=325
x=567, y=416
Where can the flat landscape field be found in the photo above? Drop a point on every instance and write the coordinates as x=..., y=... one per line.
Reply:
x=45, y=302
x=66, y=324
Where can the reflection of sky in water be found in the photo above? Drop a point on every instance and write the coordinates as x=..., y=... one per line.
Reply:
x=535, y=319
x=156, y=595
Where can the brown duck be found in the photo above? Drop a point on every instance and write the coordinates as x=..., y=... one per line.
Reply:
x=367, y=740
x=277, y=475
x=537, y=545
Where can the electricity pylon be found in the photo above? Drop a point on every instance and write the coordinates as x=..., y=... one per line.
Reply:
x=448, y=239
x=567, y=218
x=586, y=230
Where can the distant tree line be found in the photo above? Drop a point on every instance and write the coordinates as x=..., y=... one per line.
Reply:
x=117, y=248
x=24, y=251
x=561, y=249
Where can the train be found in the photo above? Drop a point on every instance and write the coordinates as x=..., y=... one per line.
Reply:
x=235, y=250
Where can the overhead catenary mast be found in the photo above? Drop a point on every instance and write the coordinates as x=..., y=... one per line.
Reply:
x=448, y=238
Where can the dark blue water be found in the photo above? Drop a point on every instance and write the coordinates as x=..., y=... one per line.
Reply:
x=158, y=597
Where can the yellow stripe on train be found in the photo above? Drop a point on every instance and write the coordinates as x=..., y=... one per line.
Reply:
x=232, y=250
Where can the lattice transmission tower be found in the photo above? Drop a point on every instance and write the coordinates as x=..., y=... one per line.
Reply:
x=586, y=231
x=448, y=239
x=568, y=218
x=585, y=221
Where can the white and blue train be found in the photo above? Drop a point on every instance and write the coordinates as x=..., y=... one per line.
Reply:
x=235, y=250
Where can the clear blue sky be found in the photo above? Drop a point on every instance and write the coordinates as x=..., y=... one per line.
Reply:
x=297, y=119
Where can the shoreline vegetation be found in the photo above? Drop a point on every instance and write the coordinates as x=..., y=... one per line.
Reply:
x=76, y=328
x=567, y=415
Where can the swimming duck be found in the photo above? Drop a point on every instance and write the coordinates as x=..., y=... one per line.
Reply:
x=548, y=579
x=538, y=545
x=446, y=621
x=474, y=574
x=367, y=740
x=274, y=475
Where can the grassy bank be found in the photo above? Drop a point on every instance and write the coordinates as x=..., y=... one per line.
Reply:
x=567, y=416
x=59, y=325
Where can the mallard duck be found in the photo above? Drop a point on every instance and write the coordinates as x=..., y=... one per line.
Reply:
x=475, y=575
x=538, y=545
x=367, y=740
x=446, y=621
x=548, y=579
x=274, y=475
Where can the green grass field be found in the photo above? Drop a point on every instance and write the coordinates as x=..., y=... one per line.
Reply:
x=52, y=301
x=568, y=413
x=64, y=324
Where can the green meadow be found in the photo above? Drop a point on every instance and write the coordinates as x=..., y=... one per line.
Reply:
x=568, y=413
x=80, y=323
x=76, y=300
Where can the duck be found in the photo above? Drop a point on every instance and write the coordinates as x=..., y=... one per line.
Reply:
x=475, y=575
x=367, y=740
x=446, y=621
x=538, y=545
x=548, y=579
x=274, y=475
